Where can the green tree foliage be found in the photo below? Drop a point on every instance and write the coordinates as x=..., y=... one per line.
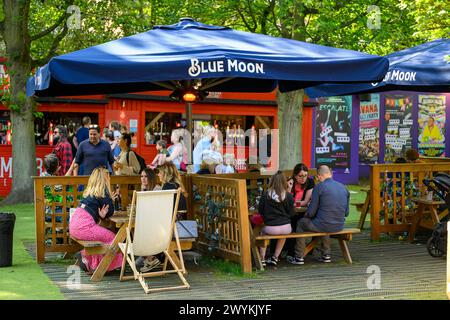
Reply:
x=32, y=31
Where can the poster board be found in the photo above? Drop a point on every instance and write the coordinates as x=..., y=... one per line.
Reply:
x=333, y=133
x=432, y=125
x=369, y=130
x=398, y=124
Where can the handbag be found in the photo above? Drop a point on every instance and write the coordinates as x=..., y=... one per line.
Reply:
x=256, y=219
x=187, y=229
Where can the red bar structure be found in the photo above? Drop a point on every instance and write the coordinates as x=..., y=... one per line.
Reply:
x=147, y=114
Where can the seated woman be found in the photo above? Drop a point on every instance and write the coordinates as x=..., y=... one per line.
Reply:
x=301, y=187
x=412, y=156
x=148, y=183
x=276, y=207
x=149, y=180
x=97, y=204
x=171, y=180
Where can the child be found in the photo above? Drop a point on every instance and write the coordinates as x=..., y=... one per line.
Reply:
x=227, y=166
x=160, y=158
x=51, y=165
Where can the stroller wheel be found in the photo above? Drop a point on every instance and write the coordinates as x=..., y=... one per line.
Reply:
x=433, y=248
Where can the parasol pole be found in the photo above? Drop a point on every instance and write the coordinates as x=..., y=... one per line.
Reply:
x=189, y=129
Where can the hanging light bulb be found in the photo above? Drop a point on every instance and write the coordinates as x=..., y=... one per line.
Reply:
x=189, y=97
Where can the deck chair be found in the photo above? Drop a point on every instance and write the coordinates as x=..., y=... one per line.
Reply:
x=154, y=217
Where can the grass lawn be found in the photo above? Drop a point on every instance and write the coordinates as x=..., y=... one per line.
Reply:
x=25, y=279
x=356, y=195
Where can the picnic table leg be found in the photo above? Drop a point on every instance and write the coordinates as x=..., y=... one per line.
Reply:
x=110, y=254
x=434, y=215
x=364, y=211
x=310, y=246
x=443, y=214
x=416, y=222
x=255, y=249
x=257, y=258
x=345, y=251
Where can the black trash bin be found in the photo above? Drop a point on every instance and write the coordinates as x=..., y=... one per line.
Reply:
x=7, y=220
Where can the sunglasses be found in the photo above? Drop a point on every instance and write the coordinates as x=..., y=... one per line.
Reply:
x=94, y=126
x=302, y=175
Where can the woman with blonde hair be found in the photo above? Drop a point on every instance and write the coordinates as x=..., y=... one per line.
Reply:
x=276, y=208
x=178, y=151
x=171, y=180
x=96, y=205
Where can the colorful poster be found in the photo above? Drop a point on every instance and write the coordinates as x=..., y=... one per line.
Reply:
x=369, y=135
x=333, y=132
x=432, y=125
x=398, y=124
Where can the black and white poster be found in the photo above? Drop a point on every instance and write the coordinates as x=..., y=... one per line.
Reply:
x=333, y=131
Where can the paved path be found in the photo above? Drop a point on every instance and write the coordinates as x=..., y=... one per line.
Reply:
x=407, y=272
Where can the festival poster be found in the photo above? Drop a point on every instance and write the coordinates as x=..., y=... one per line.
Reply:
x=398, y=124
x=333, y=132
x=369, y=124
x=432, y=125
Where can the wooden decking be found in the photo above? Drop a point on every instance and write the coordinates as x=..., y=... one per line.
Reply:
x=407, y=272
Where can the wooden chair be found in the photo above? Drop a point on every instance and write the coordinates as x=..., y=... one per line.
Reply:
x=154, y=229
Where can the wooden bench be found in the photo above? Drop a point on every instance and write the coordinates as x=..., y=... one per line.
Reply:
x=363, y=208
x=358, y=205
x=97, y=247
x=91, y=247
x=341, y=236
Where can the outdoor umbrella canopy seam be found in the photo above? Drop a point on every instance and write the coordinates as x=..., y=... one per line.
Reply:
x=190, y=50
x=425, y=67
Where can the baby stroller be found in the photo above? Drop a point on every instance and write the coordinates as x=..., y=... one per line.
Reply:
x=437, y=243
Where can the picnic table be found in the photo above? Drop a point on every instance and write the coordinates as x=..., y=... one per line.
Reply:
x=263, y=240
x=425, y=206
x=120, y=220
x=363, y=207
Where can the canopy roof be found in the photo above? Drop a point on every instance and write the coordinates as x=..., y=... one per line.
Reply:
x=425, y=67
x=225, y=60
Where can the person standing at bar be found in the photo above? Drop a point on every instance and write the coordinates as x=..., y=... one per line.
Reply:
x=82, y=132
x=92, y=153
x=62, y=149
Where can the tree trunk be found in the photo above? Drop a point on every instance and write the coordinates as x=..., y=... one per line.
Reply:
x=15, y=34
x=23, y=143
x=290, y=115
